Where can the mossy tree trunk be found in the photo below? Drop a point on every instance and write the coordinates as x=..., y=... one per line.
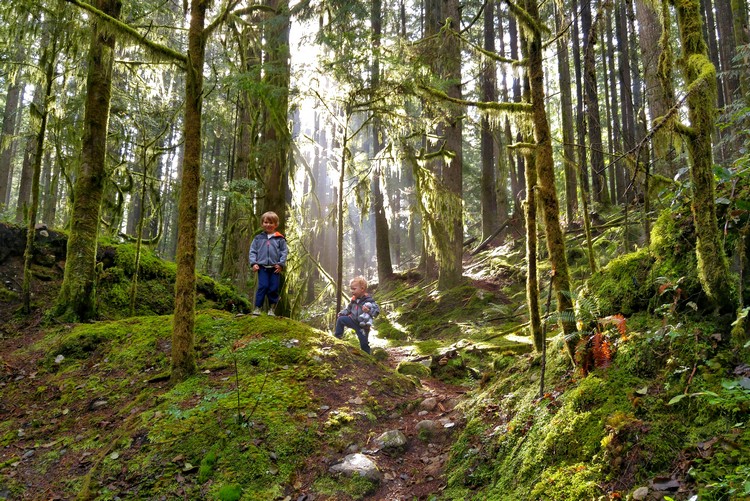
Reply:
x=546, y=190
x=77, y=299
x=700, y=77
x=183, y=336
x=532, y=279
x=39, y=119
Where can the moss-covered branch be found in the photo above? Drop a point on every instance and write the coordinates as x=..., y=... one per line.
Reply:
x=482, y=105
x=130, y=32
x=525, y=19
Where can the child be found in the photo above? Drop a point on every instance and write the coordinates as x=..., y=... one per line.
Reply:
x=268, y=253
x=358, y=315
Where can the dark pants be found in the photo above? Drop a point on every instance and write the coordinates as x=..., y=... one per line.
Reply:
x=344, y=322
x=268, y=286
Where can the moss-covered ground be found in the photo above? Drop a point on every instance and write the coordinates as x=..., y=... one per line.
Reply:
x=91, y=404
x=659, y=397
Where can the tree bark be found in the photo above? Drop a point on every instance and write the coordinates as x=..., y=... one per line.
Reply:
x=593, y=120
x=183, y=336
x=382, y=238
x=489, y=94
x=700, y=77
x=566, y=116
x=78, y=292
x=7, y=141
x=546, y=192
x=657, y=75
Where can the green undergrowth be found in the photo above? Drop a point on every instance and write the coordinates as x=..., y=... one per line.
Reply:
x=242, y=428
x=662, y=275
x=672, y=403
x=155, y=285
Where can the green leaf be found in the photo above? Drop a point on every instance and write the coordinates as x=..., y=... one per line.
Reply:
x=676, y=399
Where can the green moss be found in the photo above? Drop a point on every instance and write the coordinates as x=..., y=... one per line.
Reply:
x=231, y=492
x=413, y=369
x=357, y=487
x=576, y=481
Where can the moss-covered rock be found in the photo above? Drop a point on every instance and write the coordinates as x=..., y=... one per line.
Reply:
x=413, y=369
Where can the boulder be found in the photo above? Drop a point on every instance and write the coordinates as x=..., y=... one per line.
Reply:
x=358, y=464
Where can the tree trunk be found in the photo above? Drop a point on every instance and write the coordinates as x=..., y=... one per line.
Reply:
x=183, y=336
x=382, y=238
x=583, y=171
x=616, y=180
x=450, y=262
x=700, y=78
x=7, y=141
x=657, y=73
x=727, y=44
x=38, y=122
x=489, y=94
x=566, y=116
x=239, y=210
x=626, y=100
x=532, y=281
x=546, y=192
x=77, y=299
x=593, y=122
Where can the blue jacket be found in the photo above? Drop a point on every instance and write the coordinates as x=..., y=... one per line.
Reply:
x=267, y=252
x=354, y=309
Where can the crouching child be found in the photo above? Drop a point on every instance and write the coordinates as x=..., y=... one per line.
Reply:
x=358, y=314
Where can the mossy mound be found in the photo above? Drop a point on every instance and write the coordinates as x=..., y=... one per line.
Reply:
x=662, y=275
x=243, y=427
x=669, y=398
x=413, y=369
x=155, y=285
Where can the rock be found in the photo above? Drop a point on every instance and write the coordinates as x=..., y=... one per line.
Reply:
x=358, y=464
x=640, y=493
x=665, y=484
x=427, y=429
x=429, y=404
x=392, y=439
x=413, y=369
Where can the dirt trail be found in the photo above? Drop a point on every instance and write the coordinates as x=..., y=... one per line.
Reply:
x=419, y=470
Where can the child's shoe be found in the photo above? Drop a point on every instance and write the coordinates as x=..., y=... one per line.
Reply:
x=271, y=313
x=256, y=312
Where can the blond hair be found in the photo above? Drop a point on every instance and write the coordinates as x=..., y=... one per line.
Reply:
x=359, y=280
x=272, y=216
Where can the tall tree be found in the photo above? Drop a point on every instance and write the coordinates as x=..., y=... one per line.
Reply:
x=382, y=238
x=10, y=119
x=547, y=192
x=700, y=78
x=77, y=294
x=590, y=31
x=489, y=94
x=183, y=335
x=39, y=121
x=566, y=114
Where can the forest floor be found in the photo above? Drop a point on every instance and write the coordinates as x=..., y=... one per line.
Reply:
x=417, y=472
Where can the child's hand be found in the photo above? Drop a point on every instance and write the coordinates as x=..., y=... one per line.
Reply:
x=366, y=309
x=277, y=268
x=256, y=267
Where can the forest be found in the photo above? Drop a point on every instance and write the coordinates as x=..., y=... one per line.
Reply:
x=550, y=202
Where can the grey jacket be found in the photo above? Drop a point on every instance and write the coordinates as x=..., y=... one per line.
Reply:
x=267, y=252
x=354, y=309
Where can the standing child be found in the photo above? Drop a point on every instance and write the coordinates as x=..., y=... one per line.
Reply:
x=361, y=304
x=268, y=253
